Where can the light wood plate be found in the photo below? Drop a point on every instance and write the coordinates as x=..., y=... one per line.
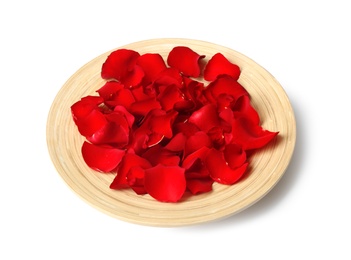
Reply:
x=266, y=166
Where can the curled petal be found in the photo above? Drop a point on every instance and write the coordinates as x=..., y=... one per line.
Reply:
x=160, y=155
x=162, y=124
x=152, y=64
x=219, y=169
x=234, y=155
x=123, y=97
x=121, y=66
x=250, y=135
x=196, y=141
x=205, y=118
x=186, y=60
x=109, y=90
x=177, y=143
x=199, y=154
x=201, y=185
x=141, y=108
x=244, y=106
x=220, y=65
x=87, y=115
x=112, y=134
x=129, y=161
x=169, y=76
x=101, y=158
x=169, y=97
x=224, y=85
x=135, y=179
x=165, y=183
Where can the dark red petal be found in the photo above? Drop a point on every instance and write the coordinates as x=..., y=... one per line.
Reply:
x=101, y=158
x=160, y=155
x=90, y=123
x=244, y=106
x=186, y=60
x=152, y=64
x=220, y=170
x=250, y=135
x=206, y=117
x=129, y=161
x=143, y=107
x=122, y=97
x=121, y=66
x=170, y=96
x=220, y=65
x=162, y=124
x=135, y=179
x=199, y=154
x=83, y=107
x=234, y=155
x=128, y=116
x=196, y=141
x=177, y=143
x=165, y=183
x=188, y=129
x=109, y=90
x=169, y=76
x=197, y=186
x=224, y=85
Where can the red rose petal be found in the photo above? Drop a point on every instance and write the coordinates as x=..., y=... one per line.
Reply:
x=101, y=158
x=197, y=186
x=196, y=141
x=244, y=106
x=129, y=161
x=152, y=64
x=159, y=155
x=123, y=97
x=165, y=183
x=169, y=97
x=121, y=66
x=220, y=65
x=143, y=107
x=234, y=155
x=177, y=143
x=169, y=76
x=109, y=90
x=205, y=118
x=224, y=85
x=135, y=179
x=186, y=60
x=250, y=135
x=219, y=169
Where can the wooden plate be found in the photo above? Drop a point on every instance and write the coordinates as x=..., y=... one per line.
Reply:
x=266, y=166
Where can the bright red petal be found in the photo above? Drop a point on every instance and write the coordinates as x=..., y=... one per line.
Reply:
x=196, y=141
x=141, y=108
x=165, y=183
x=152, y=64
x=224, y=85
x=205, y=118
x=169, y=97
x=121, y=66
x=250, y=135
x=186, y=60
x=101, y=158
x=244, y=106
x=220, y=65
x=197, y=186
x=234, y=155
x=109, y=90
x=129, y=161
x=219, y=169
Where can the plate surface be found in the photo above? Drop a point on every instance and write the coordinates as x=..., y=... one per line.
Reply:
x=266, y=165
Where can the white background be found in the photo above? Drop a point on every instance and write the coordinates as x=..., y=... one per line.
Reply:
x=305, y=44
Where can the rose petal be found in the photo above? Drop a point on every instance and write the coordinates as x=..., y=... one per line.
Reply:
x=234, y=155
x=244, y=106
x=152, y=64
x=121, y=66
x=109, y=90
x=206, y=117
x=219, y=169
x=129, y=161
x=186, y=60
x=169, y=97
x=135, y=179
x=101, y=158
x=87, y=115
x=169, y=76
x=197, y=186
x=224, y=85
x=165, y=183
x=177, y=143
x=143, y=107
x=160, y=155
x=196, y=141
x=123, y=97
x=250, y=135
x=220, y=65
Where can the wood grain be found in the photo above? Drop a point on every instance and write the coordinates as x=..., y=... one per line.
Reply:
x=266, y=166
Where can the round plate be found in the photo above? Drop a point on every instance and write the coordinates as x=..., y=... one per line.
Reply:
x=267, y=165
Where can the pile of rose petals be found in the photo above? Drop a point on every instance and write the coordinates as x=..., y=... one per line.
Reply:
x=163, y=130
